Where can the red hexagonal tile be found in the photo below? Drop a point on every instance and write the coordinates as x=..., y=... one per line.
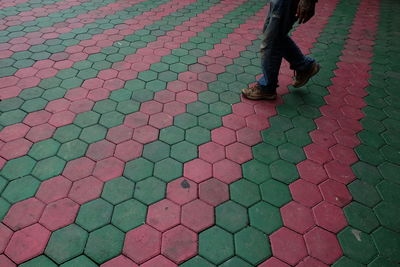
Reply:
x=120, y=261
x=174, y=108
x=311, y=262
x=24, y=213
x=136, y=120
x=273, y=262
x=15, y=149
x=211, y=152
x=13, y=132
x=5, y=236
x=160, y=260
x=305, y=192
x=40, y=132
x=109, y=168
x=27, y=243
x=213, y=192
x=81, y=106
x=142, y=243
x=37, y=118
x=85, y=190
x=223, y=136
x=297, y=217
x=78, y=168
x=346, y=138
x=161, y=120
x=339, y=172
x=128, y=150
x=163, y=215
x=177, y=86
x=6, y=262
x=151, y=107
x=58, y=105
x=322, y=138
x=335, y=193
x=186, y=97
x=77, y=94
x=93, y=83
x=145, y=134
x=59, y=214
x=53, y=189
x=62, y=118
x=312, y=171
x=227, y=171
x=327, y=124
x=248, y=136
x=288, y=246
x=197, y=215
x=187, y=76
x=179, y=244
x=182, y=191
x=119, y=134
x=197, y=170
x=234, y=122
x=164, y=96
x=329, y=217
x=100, y=150
x=317, y=153
x=238, y=152
x=257, y=122
x=243, y=109
x=323, y=245
x=343, y=154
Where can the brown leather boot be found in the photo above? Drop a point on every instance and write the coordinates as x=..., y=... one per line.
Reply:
x=302, y=77
x=256, y=93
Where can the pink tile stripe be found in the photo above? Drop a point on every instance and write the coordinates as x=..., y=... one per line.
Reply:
x=5, y=4
x=35, y=38
x=24, y=78
x=38, y=12
x=62, y=112
x=321, y=192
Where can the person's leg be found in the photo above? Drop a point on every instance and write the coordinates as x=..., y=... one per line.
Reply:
x=293, y=54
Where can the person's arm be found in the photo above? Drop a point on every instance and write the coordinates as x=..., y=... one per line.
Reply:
x=305, y=10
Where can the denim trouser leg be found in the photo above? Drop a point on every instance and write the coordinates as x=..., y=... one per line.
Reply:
x=276, y=44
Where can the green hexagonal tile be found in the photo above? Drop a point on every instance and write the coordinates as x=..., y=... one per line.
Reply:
x=118, y=190
x=94, y=214
x=216, y=245
x=66, y=243
x=357, y=245
x=18, y=167
x=184, y=151
x=275, y=192
x=245, y=192
x=284, y=171
x=44, y=149
x=256, y=171
x=252, y=245
x=156, y=151
x=20, y=189
x=172, y=135
x=67, y=133
x=265, y=217
x=129, y=215
x=231, y=216
x=93, y=133
x=104, y=243
x=150, y=190
x=168, y=169
x=72, y=150
x=138, y=169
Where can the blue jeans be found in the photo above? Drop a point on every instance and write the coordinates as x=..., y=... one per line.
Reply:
x=276, y=44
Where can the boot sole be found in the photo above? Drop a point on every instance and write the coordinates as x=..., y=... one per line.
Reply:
x=272, y=97
x=315, y=71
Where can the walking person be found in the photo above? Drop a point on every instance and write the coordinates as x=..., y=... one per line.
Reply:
x=276, y=44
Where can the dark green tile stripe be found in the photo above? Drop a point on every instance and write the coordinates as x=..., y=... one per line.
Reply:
x=25, y=59
x=51, y=19
x=373, y=215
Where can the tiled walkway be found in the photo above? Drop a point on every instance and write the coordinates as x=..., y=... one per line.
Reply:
x=124, y=140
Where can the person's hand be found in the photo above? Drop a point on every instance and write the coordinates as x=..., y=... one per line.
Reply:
x=305, y=10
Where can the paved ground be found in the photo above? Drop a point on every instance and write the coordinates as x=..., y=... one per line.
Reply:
x=124, y=140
